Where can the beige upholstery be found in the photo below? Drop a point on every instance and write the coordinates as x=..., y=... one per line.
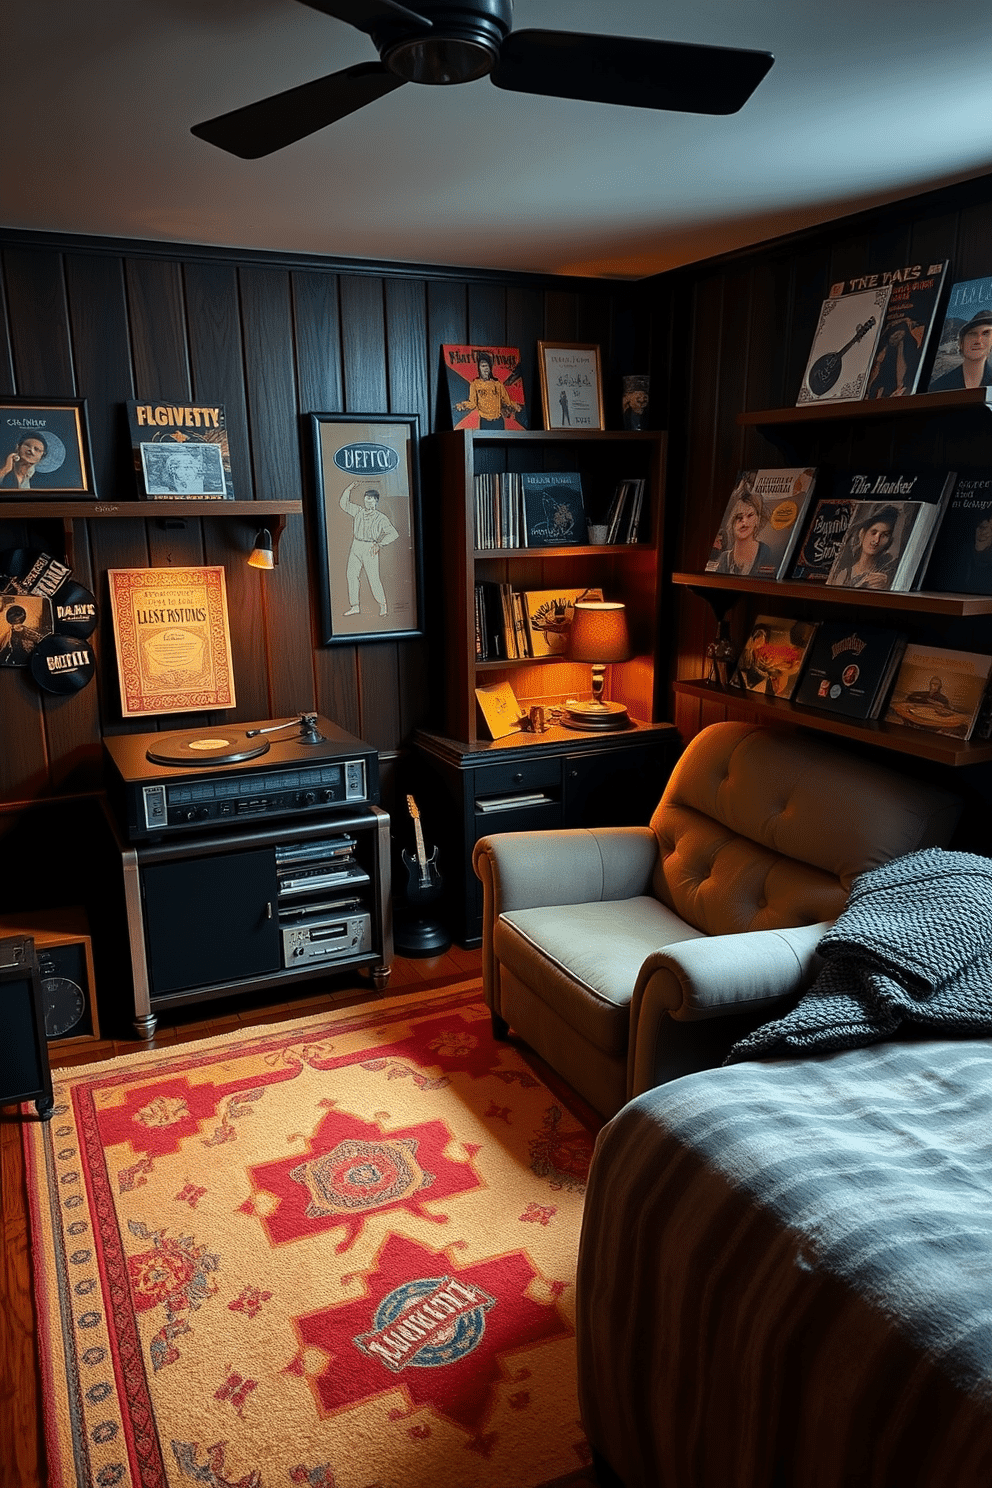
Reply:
x=628, y=955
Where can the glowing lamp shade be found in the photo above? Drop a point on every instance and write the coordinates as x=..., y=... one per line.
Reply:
x=598, y=635
x=262, y=554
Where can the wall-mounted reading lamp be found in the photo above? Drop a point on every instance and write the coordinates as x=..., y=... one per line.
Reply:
x=263, y=553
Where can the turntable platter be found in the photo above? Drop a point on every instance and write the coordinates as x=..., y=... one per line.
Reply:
x=220, y=746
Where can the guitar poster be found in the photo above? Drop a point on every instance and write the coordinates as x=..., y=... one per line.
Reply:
x=843, y=350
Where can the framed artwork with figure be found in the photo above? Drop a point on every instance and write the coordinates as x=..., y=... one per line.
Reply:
x=368, y=558
x=44, y=448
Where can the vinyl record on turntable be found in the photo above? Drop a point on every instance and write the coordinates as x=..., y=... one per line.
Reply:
x=62, y=664
x=205, y=746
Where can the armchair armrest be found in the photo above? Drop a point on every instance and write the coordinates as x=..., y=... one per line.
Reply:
x=696, y=998
x=529, y=870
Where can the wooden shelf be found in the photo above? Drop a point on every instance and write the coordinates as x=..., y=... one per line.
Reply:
x=608, y=549
x=964, y=400
x=916, y=601
x=144, y=510
x=923, y=745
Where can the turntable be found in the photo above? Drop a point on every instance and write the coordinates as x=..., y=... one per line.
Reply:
x=219, y=774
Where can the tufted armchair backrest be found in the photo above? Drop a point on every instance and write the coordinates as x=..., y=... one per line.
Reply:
x=759, y=829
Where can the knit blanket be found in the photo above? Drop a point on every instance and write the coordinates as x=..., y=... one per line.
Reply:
x=912, y=947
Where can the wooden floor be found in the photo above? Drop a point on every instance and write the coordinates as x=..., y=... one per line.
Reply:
x=21, y=1439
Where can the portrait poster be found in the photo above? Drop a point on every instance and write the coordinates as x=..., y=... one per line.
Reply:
x=368, y=560
x=181, y=451
x=44, y=448
x=484, y=386
x=969, y=305
x=173, y=639
x=571, y=385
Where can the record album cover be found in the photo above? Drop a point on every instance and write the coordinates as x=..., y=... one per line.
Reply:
x=906, y=329
x=821, y=542
x=844, y=344
x=181, y=451
x=849, y=668
x=961, y=562
x=773, y=656
x=939, y=690
x=554, y=513
x=549, y=615
x=485, y=387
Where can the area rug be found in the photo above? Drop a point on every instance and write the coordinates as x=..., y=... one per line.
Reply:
x=337, y=1252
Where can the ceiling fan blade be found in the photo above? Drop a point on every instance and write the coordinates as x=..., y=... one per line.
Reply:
x=365, y=14
x=261, y=128
x=628, y=70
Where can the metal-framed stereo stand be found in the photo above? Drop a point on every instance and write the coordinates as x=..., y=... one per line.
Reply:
x=205, y=915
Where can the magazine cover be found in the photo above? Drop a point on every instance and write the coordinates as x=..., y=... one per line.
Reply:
x=961, y=562
x=844, y=346
x=549, y=614
x=485, y=387
x=181, y=451
x=849, y=668
x=762, y=521
x=909, y=319
x=939, y=690
x=965, y=339
x=554, y=514
x=773, y=656
x=173, y=639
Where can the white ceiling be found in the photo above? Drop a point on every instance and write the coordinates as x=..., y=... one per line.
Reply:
x=868, y=101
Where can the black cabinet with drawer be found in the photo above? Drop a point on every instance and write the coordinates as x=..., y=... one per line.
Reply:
x=522, y=784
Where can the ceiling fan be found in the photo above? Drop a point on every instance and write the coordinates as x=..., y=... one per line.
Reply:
x=442, y=42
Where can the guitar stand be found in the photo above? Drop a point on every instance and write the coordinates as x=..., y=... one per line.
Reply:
x=415, y=934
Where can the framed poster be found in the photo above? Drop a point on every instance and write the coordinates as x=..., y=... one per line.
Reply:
x=181, y=451
x=571, y=385
x=44, y=448
x=173, y=639
x=368, y=560
x=485, y=387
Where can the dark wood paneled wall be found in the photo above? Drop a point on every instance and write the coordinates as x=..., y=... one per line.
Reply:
x=738, y=333
x=272, y=338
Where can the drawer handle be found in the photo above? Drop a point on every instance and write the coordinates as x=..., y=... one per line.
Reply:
x=518, y=777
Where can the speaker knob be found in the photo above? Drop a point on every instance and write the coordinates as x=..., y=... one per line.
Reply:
x=308, y=798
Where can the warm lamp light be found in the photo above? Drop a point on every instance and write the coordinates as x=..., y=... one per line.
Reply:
x=598, y=635
x=263, y=553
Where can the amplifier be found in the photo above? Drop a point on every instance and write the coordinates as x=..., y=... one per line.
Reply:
x=308, y=941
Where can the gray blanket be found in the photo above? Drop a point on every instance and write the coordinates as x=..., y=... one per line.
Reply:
x=912, y=947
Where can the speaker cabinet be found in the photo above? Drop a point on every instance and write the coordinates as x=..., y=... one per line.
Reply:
x=24, y=1069
x=65, y=960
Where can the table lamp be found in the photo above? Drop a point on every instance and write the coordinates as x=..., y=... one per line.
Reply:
x=598, y=634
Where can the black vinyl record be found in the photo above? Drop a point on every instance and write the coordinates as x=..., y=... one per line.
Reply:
x=206, y=746
x=74, y=610
x=62, y=664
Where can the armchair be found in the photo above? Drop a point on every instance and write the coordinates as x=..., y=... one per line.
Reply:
x=627, y=956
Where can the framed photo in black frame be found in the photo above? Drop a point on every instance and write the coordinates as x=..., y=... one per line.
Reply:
x=368, y=558
x=44, y=448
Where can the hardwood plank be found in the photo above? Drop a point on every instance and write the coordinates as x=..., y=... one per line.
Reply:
x=101, y=349
x=157, y=319
x=216, y=358
x=317, y=332
x=363, y=339
x=39, y=323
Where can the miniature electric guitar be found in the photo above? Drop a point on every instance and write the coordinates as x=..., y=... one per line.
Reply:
x=423, y=877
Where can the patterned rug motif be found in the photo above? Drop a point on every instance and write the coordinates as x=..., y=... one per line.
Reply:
x=337, y=1252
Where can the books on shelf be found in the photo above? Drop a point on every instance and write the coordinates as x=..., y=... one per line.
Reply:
x=850, y=668
x=844, y=345
x=910, y=316
x=499, y=520
x=554, y=513
x=961, y=561
x=939, y=690
x=961, y=359
x=515, y=625
x=762, y=522
x=773, y=656
x=623, y=516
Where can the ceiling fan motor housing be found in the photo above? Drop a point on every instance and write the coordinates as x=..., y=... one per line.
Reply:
x=464, y=43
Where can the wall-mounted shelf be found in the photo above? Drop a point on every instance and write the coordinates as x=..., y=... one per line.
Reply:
x=916, y=601
x=270, y=514
x=964, y=400
x=923, y=745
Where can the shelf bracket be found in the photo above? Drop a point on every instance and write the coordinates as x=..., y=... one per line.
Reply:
x=720, y=601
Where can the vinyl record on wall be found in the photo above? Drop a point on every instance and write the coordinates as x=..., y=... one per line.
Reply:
x=62, y=664
x=74, y=610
